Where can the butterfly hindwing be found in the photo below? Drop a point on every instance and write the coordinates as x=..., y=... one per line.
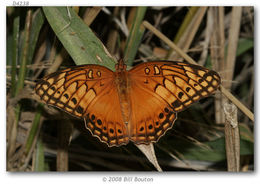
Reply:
x=104, y=118
x=150, y=116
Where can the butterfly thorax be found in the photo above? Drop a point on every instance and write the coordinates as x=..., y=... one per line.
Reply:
x=122, y=84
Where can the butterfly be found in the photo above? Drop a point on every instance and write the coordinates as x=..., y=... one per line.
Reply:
x=138, y=105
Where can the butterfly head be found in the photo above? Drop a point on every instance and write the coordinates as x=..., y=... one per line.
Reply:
x=120, y=66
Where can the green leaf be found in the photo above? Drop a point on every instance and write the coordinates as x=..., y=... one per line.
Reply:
x=77, y=38
x=215, y=153
x=245, y=133
x=244, y=45
x=135, y=36
x=37, y=22
x=16, y=28
x=24, y=55
x=35, y=127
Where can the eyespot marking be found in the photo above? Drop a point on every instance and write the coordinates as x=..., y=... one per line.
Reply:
x=147, y=70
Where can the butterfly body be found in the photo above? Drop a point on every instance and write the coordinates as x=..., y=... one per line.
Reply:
x=138, y=105
x=122, y=84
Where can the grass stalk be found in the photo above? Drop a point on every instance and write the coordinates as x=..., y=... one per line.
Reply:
x=16, y=28
x=135, y=36
x=39, y=162
x=33, y=130
x=22, y=71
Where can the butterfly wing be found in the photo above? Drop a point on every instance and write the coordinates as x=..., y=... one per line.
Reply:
x=161, y=89
x=150, y=116
x=104, y=118
x=88, y=92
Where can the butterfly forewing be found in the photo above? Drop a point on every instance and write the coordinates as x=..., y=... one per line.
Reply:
x=74, y=88
x=179, y=84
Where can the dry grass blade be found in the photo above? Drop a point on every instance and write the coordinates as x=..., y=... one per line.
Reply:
x=148, y=150
x=188, y=36
x=240, y=105
x=64, y=136
x=232, y=138
x=217, y=53
x=113, y=34
x=232, y=46
x=91, y=14
x=208, y=35
x=232, y=98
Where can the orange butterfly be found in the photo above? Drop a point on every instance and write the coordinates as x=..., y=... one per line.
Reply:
x=138, y=105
